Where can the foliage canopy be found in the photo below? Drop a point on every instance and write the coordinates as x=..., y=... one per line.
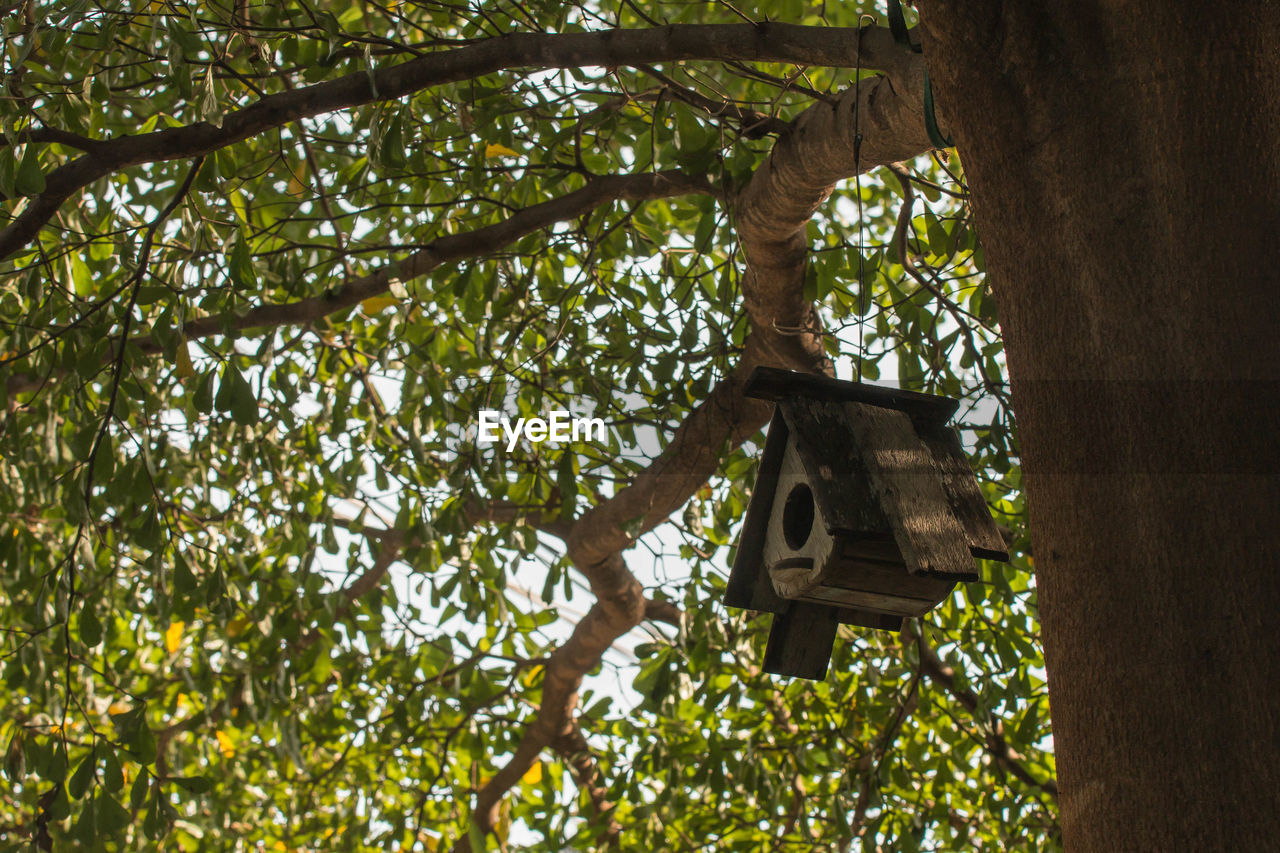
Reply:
x=262, y=587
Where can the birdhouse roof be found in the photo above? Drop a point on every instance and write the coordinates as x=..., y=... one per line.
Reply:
x=918, y=471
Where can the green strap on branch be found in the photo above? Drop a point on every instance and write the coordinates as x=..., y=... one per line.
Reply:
x=898, y=27
x=931, y=118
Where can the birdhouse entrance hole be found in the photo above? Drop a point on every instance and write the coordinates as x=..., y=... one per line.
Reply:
x=797, y=516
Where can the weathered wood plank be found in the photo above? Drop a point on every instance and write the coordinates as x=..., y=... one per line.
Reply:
x=771, y=383
x=874, y=602
x=749, y=586
x=800, y=641
x=840, y=481
x=809, y=544
x=961, y=488
x=867, y=619
x=888, y=578
x=905, y=480
x=858, y=547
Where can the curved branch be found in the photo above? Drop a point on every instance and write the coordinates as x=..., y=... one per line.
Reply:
x=619, y=607
x=772, y=211
x=719, y=423
x=878, y=121
x=767, y=42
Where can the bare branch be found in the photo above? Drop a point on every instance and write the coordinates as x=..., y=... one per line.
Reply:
x=769, y=42
x=481, y=241
x=662, y=611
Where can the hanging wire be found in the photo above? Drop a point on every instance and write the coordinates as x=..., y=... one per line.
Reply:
x=857, y=181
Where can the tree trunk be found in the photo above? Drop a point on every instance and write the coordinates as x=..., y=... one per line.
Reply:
x=1125, y=175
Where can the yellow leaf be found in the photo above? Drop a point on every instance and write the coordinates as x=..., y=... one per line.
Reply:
x=503, y=827
x=374, y=304
x=183, y=366
x=241, y=206
x=534, y=774
x=173, y=636
x=532, y=675
x=237, y=626
x=225, y=744
x=494, y=149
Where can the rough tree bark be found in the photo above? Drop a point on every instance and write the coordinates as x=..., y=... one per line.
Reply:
x=1122, y=160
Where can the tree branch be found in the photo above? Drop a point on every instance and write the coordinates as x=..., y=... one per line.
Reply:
x=769, y=42
x=573, y=748
x=620, y=606
x=878, y=121
x=456, y=247
x=772, y=210
x=996, y=746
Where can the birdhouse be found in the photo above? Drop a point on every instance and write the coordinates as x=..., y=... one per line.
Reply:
x=864, y=512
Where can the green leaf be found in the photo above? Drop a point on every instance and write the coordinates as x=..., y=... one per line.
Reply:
x=90, y=627
x=242, y=271
x=29, y=180
x=112, y=817
x=138, y=791
x=143, y=744
x=243, y=403
x=83, y=778
x=156, y=823
x=227, y=388
x=56, y=769
x=567, y=480
x=194, y=784
x=202, y=399
x=81, y=278
x=8, y=172
x=112, y=774
x=184, y=581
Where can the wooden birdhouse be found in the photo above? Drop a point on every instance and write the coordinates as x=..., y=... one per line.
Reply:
x=864, y=512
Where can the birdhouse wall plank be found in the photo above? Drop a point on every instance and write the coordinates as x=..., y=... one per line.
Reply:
x=868, y=619
x=800, y=641
x=882, y=549
x=869, y=576
x=872, y=601
x=749, y=587
x=905, y=479
x=961, y=488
